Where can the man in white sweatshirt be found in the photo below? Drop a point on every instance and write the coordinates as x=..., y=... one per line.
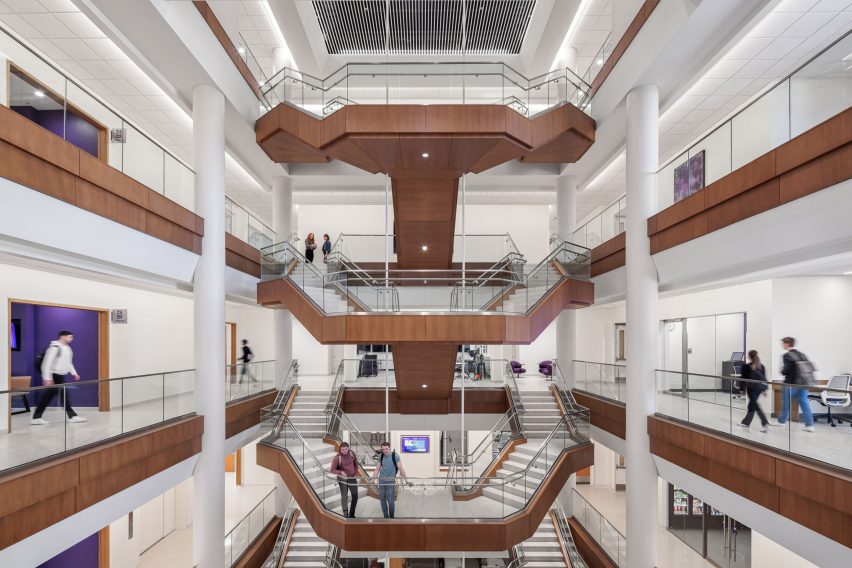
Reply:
x=58, y=362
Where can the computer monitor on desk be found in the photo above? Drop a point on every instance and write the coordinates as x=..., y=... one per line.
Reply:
x=737, y=356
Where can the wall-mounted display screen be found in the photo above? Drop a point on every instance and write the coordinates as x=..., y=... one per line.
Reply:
x=415, y=444
x=15, y=335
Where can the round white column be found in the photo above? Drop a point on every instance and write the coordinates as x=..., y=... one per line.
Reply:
x=208, y=124
x=642, y=324
x=566, y=322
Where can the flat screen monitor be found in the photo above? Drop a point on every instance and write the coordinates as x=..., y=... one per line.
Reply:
x=415, y=444
x=737, y=356
x=15, y=335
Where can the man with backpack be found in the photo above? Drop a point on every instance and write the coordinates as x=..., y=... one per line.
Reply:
x=57, y=362
x=387, y=468
x=345, y=465
x=797, y=370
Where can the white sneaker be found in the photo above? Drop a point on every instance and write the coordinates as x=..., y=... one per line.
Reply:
x=78, y=419
x=741, y=425
x=808, y=428
x=39, y=421
x=778, y=424
x=764, y=429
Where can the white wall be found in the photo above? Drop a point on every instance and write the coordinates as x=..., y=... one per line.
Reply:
x=817, y=311
x=254, y=323
x=542, y=349
x=253, y=474
x=766, y=553
x=528, y=226
x=312, y=356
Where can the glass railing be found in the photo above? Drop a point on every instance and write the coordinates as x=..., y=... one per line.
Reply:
x=715, y=403
x=604, y=226
x=247, y=379
x=812, y=94
x=505, y=494
x=365, y=249
x=601, y=530
x=600, y=58
x=425, y=83
x=269, y=415
x=348, y=291
x=251, y=61
x=246, y=226
x=282, y=540
x=102, y=409
x=604, y=379
x=249, y=528
x=566, y=537
x=41, y=92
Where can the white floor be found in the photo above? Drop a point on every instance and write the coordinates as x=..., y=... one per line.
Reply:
x=671, y=551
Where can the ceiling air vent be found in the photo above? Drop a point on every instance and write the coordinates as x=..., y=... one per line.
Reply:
x=424, y=27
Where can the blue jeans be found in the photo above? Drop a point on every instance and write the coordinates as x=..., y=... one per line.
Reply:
x=386, y=498
x=801, y=396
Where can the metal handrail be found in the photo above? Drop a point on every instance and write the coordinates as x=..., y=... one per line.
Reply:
x=283, y=396
x=246, y=516
x=602, y=517
x=756, y=381
x=575, y=559
x=275, y=559
x=18, y=391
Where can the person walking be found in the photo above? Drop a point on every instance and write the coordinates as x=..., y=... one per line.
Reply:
x=246, y=357
x=791, y=371
x=310, y=247
x=326, y=247
x=56, y=364
x=345, y=465
x=755, y=371
x=389, y=465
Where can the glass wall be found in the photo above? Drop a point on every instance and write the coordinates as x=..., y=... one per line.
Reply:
x=247, y=227
x=606, y=225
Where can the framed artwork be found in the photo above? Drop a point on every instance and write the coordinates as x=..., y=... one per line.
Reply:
x=689, y=177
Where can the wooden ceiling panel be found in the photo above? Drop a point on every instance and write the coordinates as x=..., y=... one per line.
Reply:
x=425, y=199
x=502, y=152
x=413, y=147
x=384, y=150
x=429, y=364
x=347, y=150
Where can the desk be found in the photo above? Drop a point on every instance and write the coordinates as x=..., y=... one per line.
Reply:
x=777, y=401
x=21, y=383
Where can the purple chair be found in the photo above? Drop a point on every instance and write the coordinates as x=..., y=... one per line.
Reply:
x=517, y=368
x=545, y=368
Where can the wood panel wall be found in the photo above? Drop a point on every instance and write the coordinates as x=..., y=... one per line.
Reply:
x=243, y=414
x=230, y=49
x=395, y=328
x=476, y=401
x=35, y=157
x=259, y=550
x=606, y=414
x=810, y=162
x=815, y=496
x=34, y=497
x=413, y=534
x=609, y=255
x=241, y=256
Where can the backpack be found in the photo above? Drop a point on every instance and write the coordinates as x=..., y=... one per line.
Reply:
x=39, y=359
x=805, y=369
x=393, y=457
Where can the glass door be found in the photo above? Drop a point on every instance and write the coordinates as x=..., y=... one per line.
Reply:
x=728, y=541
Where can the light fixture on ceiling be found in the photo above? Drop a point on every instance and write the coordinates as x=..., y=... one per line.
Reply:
x=847, y=273
x=241, y=50
x=425, y=154
x=38, y=93
x=600, y=61
x=424, y=248
x=424, y=386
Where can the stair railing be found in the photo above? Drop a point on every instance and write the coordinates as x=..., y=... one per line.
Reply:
x=569, y=547
x=509, y=268
x=275, y=558
x=275, y=411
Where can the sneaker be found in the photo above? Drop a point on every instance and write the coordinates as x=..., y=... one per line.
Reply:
x=78, y=419
x=39, y=421
x=778, y=424
x=764, y=428
x=741, y=425
x=808, y=428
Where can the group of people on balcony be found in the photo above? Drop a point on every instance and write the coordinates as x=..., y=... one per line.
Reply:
x=311, y=246
x=797, y=370
x=345, y=466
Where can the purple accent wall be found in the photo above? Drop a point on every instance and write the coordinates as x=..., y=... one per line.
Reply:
x=78, y=130
x=39, y=326
x=84, y=554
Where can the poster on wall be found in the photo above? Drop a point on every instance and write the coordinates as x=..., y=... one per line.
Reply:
x=689, y=177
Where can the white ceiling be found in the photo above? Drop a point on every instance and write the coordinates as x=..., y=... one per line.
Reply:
x=247, y=18
x=63, y=34
x=594, y=26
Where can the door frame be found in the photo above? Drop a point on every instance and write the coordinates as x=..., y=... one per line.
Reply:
x=103, y=348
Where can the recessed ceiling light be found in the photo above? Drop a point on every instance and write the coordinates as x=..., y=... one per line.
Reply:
x=424, y=248
x=847, y=273
x=600, y=61
x=424, y=386
x=38, y=93
x=242, y=50
x=425, y=154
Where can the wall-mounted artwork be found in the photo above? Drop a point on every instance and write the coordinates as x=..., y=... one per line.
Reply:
x=689, y=177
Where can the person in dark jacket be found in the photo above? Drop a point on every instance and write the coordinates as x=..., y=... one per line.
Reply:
x=246, y=357
x=310, y=247
x=326, y=247
x=755, y=371
x=800, y=393
x=345, y=465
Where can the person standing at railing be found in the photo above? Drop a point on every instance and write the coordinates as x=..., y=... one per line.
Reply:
x=245, y=369
x=345, y=466
x=797, y=370
x=326, y=247
x=56, y=364
x=388, y=467
x=755, y=371
x=310, y=247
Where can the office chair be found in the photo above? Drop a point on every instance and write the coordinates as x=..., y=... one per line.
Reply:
x=837, y=399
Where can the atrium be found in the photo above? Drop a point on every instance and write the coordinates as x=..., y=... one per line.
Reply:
x=425, y=283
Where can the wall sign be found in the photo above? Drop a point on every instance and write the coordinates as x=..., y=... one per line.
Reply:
x=118, y=316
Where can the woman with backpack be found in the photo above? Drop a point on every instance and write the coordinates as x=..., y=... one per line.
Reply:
x=755, y=371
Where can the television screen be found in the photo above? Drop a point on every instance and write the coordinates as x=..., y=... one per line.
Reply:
x=15, y=335
x=415, y=444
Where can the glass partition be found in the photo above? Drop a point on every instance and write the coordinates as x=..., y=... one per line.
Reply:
x=247, y=529
x=247, y=379
x=123, y=405
x=601, y=530
x=246, y=226
x=604, y=226
x=604, y=379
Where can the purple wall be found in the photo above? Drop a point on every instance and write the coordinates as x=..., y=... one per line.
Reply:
x=78, y=130
x=84, y=554
x=39, y=326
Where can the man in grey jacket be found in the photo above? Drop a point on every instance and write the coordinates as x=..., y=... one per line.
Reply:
x=58, y=362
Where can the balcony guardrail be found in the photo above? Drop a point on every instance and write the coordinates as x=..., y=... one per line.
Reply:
x=247, y=379
x=425, y=83
x=246, y=226
x=601, y=530
x=249, y=528
x=603, y=379
x=111, y=408
x=708, y=401
x=604, y=226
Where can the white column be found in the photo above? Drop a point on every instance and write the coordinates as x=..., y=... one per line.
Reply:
x=282, y=224
x=208, y=120
x=566, y=323
x=642, y=324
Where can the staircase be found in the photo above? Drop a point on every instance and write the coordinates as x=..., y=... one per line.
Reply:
x=543, y=549
x=326, y=295
x=306, y=549
x=308, y=414
x=541, y=413
x=524, y=297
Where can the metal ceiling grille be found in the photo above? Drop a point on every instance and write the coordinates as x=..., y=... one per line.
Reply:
x=423, y=27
